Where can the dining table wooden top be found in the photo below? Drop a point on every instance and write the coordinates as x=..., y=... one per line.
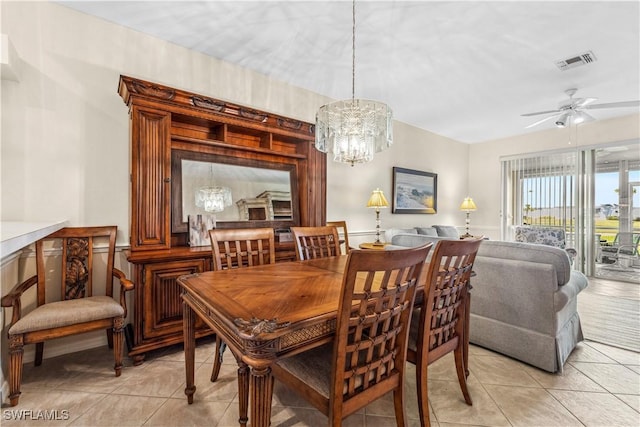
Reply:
x=264, y=302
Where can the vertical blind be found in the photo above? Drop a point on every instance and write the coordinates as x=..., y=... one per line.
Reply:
x=540, y=190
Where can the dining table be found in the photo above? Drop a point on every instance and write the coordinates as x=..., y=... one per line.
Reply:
x=264, y=313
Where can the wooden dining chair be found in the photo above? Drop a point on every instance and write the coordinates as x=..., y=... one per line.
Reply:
x=341, y=226
x=439, y=324
x=315, y=242
x=85, y=301
x=367, y=358
x=239, y=248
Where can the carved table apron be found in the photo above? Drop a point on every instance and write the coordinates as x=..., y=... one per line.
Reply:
x=263, y=313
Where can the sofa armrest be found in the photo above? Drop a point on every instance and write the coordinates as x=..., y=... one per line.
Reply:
x=576, y=284
x=515, y=292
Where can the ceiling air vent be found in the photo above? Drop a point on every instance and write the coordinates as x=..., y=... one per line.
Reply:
x=576, y=61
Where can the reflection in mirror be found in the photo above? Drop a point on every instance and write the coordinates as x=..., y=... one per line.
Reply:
x=256, y=193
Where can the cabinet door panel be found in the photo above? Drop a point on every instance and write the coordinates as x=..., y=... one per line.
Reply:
x=151, y=179
x=163, y=305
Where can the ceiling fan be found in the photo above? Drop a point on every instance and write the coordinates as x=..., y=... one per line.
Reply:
x=572, y=110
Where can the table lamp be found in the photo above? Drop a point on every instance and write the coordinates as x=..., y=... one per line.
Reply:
x=377, y=201
x=467, y=206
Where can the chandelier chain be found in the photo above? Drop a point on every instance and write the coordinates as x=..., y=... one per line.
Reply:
x=353, y=51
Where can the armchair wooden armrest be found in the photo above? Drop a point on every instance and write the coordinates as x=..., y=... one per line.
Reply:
x=125, y=286
x=12, y=299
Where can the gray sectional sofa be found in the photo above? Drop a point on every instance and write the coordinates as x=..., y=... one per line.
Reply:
x=523, y=301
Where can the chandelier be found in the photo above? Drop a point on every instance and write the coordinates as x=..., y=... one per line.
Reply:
x=213, y=199
x=355, y=129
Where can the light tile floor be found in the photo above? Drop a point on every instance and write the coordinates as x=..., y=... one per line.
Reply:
x=600, y=386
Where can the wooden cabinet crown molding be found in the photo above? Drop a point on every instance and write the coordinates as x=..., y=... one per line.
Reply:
x=135, y=91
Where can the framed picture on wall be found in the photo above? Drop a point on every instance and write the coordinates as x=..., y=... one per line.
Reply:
x=414, y=192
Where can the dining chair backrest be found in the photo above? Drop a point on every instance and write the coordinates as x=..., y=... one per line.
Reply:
x=315, y=242
x=239, y=248
x=378, y=291
x=441, y=315
x=245, y=247
x=341, y=226
x=367, y=357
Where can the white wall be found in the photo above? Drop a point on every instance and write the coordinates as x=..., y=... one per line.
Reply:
x=65, y=130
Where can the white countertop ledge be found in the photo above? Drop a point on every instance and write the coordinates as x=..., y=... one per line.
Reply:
x=15, y=235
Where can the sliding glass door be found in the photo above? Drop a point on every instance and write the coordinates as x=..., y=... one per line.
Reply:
x=592, y=194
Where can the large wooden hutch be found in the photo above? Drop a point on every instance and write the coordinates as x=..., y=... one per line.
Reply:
x=168, y=125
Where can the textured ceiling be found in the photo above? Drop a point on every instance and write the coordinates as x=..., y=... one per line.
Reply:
x=465, y=70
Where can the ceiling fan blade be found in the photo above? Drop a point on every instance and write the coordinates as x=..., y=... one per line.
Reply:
x=585, y=101
x=614, y=105
x=540, y=121
x=540, y=112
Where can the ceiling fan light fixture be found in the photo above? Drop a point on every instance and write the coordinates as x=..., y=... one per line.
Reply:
x=563, y=120
x=578, y=118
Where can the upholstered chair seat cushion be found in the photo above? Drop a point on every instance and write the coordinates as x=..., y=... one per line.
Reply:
x=70, y=312
x=314, y=367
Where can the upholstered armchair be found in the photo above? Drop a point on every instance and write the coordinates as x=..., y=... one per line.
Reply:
x=90, y=297
x=549, y=236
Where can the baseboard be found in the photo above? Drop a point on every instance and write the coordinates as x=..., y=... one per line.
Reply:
x=61, y=347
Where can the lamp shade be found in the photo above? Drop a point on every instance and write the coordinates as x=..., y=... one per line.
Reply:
x=468, y=205
x=377, y=200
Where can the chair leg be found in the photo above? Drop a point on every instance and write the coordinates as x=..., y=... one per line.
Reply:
x=460, y=369
x=398, y=404
x=16, y=351
x=39, y=352
x=118, y=343
x=221, y=346
x=110, y=338
x=422, y=377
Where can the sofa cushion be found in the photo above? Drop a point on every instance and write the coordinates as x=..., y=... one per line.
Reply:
x=543, y=235
x=427, y=231
x=412, y=240
x=447, y=231
x=389, y=233
x=530, y=252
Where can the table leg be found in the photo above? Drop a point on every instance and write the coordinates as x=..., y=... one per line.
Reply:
x=189, y=336
x=243, y=392
x=261, y=386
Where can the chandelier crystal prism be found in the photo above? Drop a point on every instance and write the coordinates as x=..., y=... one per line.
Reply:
x=355, y=129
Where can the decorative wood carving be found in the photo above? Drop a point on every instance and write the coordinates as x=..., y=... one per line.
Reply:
x=255, y=327
x=211, y=104
x=76, y=272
